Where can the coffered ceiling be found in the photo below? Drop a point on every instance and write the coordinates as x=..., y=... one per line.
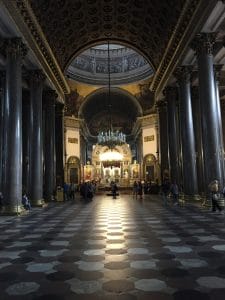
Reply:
x=72, y=25
x=59, y=30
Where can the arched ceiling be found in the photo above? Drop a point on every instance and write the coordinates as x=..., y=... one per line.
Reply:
x=126, y=66
x=96, y=111
x=70, y=26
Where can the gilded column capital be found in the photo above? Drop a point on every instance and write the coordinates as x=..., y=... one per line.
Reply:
x=15, y=47
x=204, y=42
x=36, y=77
x=183, y=74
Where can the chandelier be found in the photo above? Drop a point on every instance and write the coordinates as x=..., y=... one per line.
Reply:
x=110, y=137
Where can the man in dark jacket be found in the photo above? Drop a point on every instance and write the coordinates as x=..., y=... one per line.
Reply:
x=165, y=190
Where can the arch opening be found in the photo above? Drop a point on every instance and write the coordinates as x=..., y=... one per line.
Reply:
x=94, y=111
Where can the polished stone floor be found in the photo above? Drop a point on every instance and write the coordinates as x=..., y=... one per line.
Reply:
x=113, y=249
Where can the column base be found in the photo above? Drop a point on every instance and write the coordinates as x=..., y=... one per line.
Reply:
x=38, y=203
x=13, y=210
x=49, y=198
x=207, y=202
x=189, y=198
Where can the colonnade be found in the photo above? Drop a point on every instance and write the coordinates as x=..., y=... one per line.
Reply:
x=194, y=150
x=27, y=141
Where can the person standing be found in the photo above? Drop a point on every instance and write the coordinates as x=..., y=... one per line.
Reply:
x=114, y=189
x=214, y=190
x=26, y=202
x=140, y=190
x=165, y=190
x=135, y=189
x=72, y=190
x=66, y=191
x=175, y=192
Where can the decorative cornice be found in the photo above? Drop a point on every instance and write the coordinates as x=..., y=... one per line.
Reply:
x=191, y=19
x=147, y=120
x=25, y=19
x=72, y=122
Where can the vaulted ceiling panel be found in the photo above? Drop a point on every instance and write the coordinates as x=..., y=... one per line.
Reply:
x=72, y=25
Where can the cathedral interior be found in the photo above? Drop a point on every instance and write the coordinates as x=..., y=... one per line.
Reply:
x=102, y=92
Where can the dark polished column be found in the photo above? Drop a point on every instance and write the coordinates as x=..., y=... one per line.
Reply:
x=203, y=45
x=217, y=72
x=2, y=101
x=36, y=148
x=49, y=157
x=15, y=50
x=163, y=136
x=173, y=136
x=190, y=186
x=26, y=140
x=59, y=126
x=197, y=122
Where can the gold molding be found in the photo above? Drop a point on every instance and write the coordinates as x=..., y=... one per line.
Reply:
x=72, y=122
x=191, y=19
x=148, y=120
x=23, y=16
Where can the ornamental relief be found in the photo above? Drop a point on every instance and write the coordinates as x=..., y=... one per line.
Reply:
x=72, y=103
x=147, y=25
x=145, y=97
x=120, y=64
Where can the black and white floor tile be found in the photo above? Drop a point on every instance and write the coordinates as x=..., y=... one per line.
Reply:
x=113, y=249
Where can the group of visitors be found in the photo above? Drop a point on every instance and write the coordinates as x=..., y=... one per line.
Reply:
x=144, y=187
x=170, y=189
x=25, y=201
x=86, y=189
x=138, y=189
x=69, y=191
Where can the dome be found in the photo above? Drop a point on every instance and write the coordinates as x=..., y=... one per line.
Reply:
x=126, y=66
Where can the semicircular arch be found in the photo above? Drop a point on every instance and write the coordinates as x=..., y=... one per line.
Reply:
x=105, y=41
x=132, y=99
x=123, y=112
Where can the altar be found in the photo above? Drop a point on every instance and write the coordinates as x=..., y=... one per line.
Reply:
x=113, y=165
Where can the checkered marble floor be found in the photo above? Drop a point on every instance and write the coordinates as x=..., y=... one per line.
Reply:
x=113, y=249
